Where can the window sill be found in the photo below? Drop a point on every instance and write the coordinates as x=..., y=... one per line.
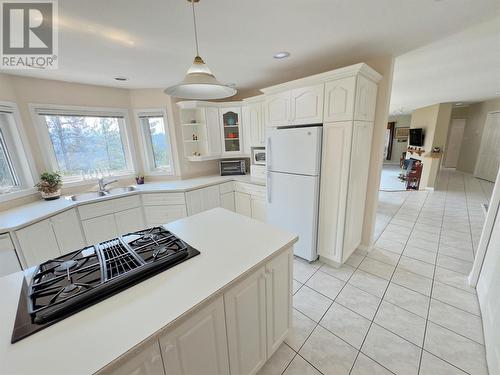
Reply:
x=17, y=194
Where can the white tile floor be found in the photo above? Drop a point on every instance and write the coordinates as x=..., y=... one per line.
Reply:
x=403, y=308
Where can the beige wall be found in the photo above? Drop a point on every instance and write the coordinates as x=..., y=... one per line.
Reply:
x=473, y=132
x=460, y=112
x=402, y=121
x=383, y=65
x=24, y=91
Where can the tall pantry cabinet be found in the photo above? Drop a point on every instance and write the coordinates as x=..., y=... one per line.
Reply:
x=347, y=137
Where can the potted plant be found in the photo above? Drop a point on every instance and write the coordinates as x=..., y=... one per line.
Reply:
x=50, y=185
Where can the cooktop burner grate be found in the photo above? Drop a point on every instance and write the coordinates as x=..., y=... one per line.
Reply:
x=117, y=259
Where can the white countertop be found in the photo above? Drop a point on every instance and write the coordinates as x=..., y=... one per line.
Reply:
x=24, y=215
x=83, y=343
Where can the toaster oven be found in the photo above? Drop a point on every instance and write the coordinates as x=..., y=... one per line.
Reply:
x=232, y=167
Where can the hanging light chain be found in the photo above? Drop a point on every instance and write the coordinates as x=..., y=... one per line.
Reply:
x=195, y=29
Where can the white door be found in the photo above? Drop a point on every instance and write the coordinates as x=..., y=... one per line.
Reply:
x=455, y=137
x=307, y=105
x=213, y=131
x=227, y=201
x=198, y=345
x=146, y=361
x=243, y=203
x=279, y=299
x=292, y=204
x=259, y=208
x=277, y=109
x=100, y=229
x=245, y=306
x=252, y=117
x=488, y=290
x=38, y=243
x=489, y=153
x=68, y=231
x=339, y=99
x=129, y=220
x=295, y=150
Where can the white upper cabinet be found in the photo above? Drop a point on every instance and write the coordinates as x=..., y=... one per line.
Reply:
x=307, y=105
x=277, y=109
x=230, y=122
x=253, y=123
x=199, y=344
x=339, y=99
x=213, y=131
x=366, y=100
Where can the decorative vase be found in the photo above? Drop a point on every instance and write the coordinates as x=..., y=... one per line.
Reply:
x=51, y=196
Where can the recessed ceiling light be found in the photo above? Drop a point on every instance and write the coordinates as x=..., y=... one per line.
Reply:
x=281, y=55
x=121, y=78
x=458, y=104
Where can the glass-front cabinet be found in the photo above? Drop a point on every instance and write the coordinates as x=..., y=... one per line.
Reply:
x=230, y=118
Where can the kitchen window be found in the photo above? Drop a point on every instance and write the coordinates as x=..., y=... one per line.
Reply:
x=84, y=145
x=156, y=142
x=15, y=169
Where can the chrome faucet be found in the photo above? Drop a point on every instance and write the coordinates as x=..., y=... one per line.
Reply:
x=102, y=184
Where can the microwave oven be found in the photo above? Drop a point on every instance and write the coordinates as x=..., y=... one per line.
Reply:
x=258, y=156
x=232, y=167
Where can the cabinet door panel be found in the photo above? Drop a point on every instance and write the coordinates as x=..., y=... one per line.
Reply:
x=231, y=134
x=144, y=361
x=100, y=229
x=211, y=197
x=227, y=201
x=68, y=231
x=243, y=204
x=194, y=201
x=38, y=243
x=8, y=259
x=307, y=105
x=339, y=99
x=279, y=299
x=366, y=99
x=213, y=131
x=259, y=208
x=159, y=215
x=245, y=306
x=129, y=220
x=198, y=345
x=277, y=109
x=334, y=184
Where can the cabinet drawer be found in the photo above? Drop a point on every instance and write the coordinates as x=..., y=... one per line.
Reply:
x=158, y=199
x=158, y=215
x=96, y=209
x=251, y=189
x=226, y=187
x=127, y=203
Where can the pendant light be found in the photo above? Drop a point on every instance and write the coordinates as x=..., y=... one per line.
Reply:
x=199, y=82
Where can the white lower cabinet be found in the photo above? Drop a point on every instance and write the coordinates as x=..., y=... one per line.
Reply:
x=68, y=232
x=158, y=215
x=8, y=259
x=202, y=199
x=243, y=203
x=246, y=324
x=235, y=333
x=227, y=201
x=100, y=229
x=146, y=360
x=129, y=220
x=199, y=344
x=259, y=208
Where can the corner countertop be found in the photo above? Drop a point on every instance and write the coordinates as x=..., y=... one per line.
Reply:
x=105, y=331
x=27, y=214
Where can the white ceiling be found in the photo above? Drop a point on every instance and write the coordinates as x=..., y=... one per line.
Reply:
x=151, y=41
x=463, y=67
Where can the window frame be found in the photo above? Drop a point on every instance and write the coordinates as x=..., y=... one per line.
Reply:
x=47, y=147
x=146, y=146
x=19, y=153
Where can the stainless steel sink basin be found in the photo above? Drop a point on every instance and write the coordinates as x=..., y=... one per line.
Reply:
x=98, y=194
x=121, y=190
x=87, y=196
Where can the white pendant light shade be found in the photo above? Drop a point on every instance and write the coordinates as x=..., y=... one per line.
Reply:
x=200, y=83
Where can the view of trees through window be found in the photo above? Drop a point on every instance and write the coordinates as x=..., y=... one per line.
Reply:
x=159, y=144
x=7, y=176
x=87, y=145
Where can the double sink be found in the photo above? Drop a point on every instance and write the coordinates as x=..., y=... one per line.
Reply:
x=102, y=193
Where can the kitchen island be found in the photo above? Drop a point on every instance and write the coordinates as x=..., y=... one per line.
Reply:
x=226, y=310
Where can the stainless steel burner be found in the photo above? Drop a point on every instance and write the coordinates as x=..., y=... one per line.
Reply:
x=65, y=266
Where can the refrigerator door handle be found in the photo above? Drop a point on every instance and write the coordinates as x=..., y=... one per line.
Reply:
x=268, y=152
x=268, y=185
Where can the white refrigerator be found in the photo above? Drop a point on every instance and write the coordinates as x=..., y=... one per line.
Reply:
x=293, y=172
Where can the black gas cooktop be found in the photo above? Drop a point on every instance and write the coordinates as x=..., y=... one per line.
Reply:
x=63, y=286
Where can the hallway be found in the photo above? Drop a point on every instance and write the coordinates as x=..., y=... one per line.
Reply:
x=404, y=307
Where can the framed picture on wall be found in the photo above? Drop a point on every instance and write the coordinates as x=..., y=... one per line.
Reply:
x=402, y=133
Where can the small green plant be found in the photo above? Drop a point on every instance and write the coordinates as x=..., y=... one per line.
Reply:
x=49, y=183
